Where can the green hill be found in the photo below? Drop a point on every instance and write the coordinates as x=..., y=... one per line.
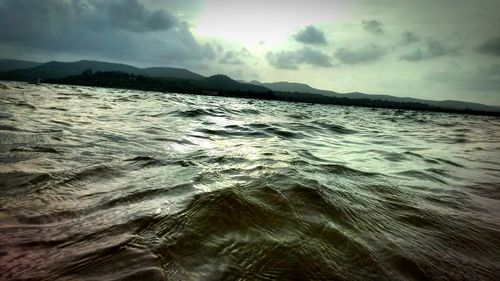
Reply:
x=221, y=82
x=171, y=72
x=56, y=70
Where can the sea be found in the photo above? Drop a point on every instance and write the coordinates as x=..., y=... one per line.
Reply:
x=113, y=184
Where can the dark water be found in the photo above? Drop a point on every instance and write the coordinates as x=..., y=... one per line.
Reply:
x=102, y=184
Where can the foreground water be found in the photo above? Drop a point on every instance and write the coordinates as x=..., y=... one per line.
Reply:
x=104, y=184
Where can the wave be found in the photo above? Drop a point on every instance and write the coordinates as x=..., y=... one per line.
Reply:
x=103, y=184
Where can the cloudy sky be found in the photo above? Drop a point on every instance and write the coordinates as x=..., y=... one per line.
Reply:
x=432, y=49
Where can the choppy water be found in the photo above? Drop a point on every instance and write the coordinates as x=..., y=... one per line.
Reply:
x=103, y=184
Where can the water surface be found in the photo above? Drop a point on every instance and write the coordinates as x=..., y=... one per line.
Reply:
x=106, y=184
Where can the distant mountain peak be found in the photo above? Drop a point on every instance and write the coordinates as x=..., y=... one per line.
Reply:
x=57, y=69
x=224, y=82
x=220, y=76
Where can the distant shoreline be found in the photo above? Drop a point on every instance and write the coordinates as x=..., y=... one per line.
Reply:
x=170, y=79
x=220, y=85
x=126, y=81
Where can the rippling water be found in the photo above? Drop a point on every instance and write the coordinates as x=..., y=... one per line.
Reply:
x=105, y=184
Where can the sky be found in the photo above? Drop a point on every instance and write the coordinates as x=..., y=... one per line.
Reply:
x=430, y=49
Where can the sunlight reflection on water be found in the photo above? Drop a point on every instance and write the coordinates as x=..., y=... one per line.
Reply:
x=127, y=185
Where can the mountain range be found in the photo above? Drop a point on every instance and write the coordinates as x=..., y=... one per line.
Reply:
x=56, y=70
x=9, y=64
x=30, y=71
x=304, y=88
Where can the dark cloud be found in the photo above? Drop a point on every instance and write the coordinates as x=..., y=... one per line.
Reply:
x=433, y=49
x=313, y=57
x=365, y=54
x=292, y=59
x=409, y=38
x=283, y=59
x=235, y=58
x=372, y=26
x=133, y=16
x=490, y=47
x=310, y=35
x=119, y=29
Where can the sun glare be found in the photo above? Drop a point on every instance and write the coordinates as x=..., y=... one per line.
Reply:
x=253, y=22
